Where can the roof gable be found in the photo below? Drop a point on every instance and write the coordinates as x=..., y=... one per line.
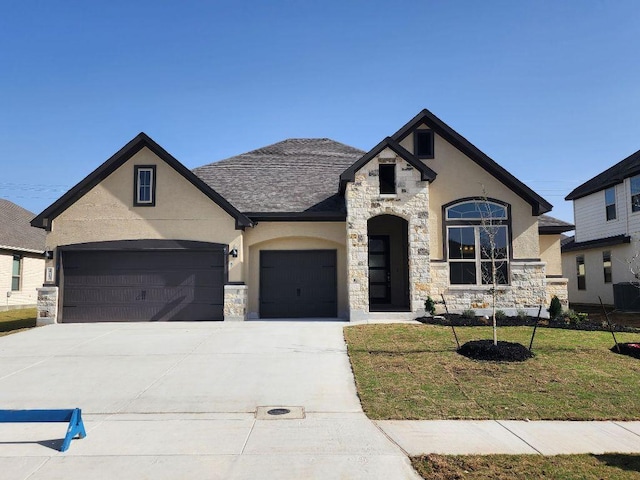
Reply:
x=15, y=231
x=117, y=160
x=626, y=168
x=426, y=174
x=538, y=204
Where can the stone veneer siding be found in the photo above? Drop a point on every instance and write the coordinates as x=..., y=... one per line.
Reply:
x=527, y=291
x=235, y=302
x=558, y=287
x=47, y=306
x=411, y=202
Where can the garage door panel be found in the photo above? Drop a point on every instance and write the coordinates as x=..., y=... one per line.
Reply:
x=298, y=284
x=160, y=279
x=138, y=295
x=152, y=313
x=143, y=285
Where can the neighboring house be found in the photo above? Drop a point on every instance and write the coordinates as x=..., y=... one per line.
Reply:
x=607, y=217
x=304, y=228
x=21, y=256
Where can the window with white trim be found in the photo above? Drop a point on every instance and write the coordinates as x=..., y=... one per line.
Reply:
x=145, y=185
x=16, y=273
x=610, y=203
x=477, y=239
x=635, y=193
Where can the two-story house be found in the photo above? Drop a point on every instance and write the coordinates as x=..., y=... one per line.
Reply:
x=304, y=228
x=607, y=220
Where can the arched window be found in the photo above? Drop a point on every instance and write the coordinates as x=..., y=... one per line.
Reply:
x=478, y=242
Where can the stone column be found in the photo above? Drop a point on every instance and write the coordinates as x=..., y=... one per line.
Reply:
x=47, y=306
x=235, y=303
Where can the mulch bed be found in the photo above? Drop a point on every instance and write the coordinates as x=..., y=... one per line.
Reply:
x=631, y=349
x=503, y=352
x=460, y=321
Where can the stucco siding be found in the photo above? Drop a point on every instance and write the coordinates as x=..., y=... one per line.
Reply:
x=106, y=212
x=32, y=277
x=621, y=256
x=460, y=177
x=550, y=253
x=294, y=236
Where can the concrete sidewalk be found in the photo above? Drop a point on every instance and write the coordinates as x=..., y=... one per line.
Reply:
x=483, y=437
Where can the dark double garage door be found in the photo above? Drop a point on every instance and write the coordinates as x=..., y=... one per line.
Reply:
x=298, y=284
x=153, y=281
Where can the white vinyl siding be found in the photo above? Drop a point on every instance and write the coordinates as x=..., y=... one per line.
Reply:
x=590, y=215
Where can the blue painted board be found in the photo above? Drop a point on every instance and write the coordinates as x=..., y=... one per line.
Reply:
x=73, y=416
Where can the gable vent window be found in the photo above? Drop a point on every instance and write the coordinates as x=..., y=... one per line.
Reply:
x=387, y=175
x=423, y=143
x=145, y=186
x=610, y=203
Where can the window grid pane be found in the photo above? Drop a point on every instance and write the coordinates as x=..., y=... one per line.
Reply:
x=145, y=179
x=477, y=211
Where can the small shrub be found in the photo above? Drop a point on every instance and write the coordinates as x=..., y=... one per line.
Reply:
x=500, y=315
x=522, y=314
x=430, y=306
x=468, y=313
x=555, y=308
x=574, y=318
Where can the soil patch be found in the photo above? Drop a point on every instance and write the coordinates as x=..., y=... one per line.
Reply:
x=631, y=349
x=503, y=352
x=588, y=324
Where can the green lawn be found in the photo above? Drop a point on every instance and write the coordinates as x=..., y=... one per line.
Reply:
x=13, y=320
x=406, y=371
x=561, y=467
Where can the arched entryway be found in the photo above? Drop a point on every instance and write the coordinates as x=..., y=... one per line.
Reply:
x=388, y=257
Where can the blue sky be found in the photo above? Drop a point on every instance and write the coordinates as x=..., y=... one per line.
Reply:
x=550, y=90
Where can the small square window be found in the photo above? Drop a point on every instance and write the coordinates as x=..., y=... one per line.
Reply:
x=423, y=143
x=144, y=194
x=387, y=175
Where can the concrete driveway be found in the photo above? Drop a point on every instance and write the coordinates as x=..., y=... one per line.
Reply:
x=178, y=400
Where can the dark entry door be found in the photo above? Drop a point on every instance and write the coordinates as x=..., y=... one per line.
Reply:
x=104, y=286
x=379, y=270
x=298, y=284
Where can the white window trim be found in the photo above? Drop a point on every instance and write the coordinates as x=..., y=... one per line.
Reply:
x=138, y=186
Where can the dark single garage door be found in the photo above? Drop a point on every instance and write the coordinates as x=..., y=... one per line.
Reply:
x=144, y=285
x=298, y=284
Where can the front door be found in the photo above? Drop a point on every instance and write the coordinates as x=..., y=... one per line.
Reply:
x=379, y=271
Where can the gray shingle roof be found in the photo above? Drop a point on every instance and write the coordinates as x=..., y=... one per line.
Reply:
x=295, y=175
x=626, y=168
x=15, y=230
x=548, y=224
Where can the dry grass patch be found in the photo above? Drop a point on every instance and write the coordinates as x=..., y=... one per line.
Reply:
x=609, y=466
x=406, y=371
x=12, y=321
